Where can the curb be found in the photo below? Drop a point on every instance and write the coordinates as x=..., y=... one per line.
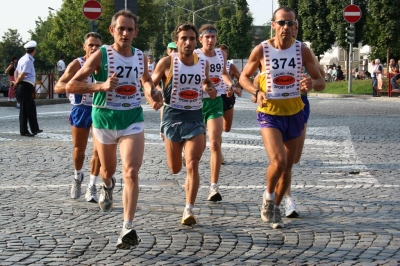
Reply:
x=37, y=101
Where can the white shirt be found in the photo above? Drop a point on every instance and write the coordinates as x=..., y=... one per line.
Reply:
x=60, y=65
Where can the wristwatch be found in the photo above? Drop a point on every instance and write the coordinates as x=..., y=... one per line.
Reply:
x=256, y=93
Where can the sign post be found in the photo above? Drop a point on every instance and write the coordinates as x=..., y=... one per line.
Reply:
x=91, y=9
x=351, y=14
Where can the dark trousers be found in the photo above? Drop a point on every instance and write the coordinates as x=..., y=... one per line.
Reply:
x=27, y=111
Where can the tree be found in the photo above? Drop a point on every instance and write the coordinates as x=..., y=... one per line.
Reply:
x=316, y=29
x=382, y=29
x=10, y=45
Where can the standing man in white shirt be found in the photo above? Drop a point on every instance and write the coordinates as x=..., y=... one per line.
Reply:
x=25, y=84
x=61, y=69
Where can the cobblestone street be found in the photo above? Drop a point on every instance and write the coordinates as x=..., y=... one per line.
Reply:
x=346, y=187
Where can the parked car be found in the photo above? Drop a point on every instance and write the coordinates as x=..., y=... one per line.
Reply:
x=4, y=84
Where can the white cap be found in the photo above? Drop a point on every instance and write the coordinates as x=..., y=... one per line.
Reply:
x=30, y=44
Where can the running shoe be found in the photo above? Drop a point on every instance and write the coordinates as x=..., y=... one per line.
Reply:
x=277, y=220
x=267, y=210
x=188, y=217
x=76, y=189
x=214, y=194
x=290, y=208
x=127, y=238
x=105, y=199
x=223, y=160
x=91, y=194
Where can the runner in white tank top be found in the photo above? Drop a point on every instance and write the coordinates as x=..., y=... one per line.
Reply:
x=186, y=79
x=81, y=121
x=114, y=99
x=213, y=109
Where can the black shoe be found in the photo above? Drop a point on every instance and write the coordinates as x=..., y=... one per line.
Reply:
x=28, y=135
x=37, y=132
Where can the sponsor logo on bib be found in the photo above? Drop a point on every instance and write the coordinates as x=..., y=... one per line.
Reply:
x=126, y=90
x=284, y=80
x=215, y=80
x=188, y=94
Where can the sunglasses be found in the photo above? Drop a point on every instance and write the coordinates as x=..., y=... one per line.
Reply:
x=290, y=23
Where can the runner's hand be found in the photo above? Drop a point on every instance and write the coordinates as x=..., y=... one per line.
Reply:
x=306, y=84
x=110, y=84
x=262, y=99
x=212, y=92
x=156, y=95
x=237, y=91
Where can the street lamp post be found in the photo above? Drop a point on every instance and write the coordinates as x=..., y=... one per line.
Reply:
x=191, y=11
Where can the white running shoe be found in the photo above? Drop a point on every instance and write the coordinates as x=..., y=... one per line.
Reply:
x=290, y=208
x=214, y=194
x=106, y=198
x=277, y=220
x=188, y=217
x=128, y=238
x=91, y=194
x=76, y=187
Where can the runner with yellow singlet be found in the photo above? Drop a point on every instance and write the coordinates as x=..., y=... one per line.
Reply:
x=280, y=108
x=186, y=76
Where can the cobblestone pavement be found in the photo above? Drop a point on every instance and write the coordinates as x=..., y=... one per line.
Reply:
x=346, y=187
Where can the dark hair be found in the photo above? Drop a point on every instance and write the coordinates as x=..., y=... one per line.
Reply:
x=30, y=50
x=286, y=9
x=185, y=27
x=92, y=34
x=224, y=47
x=207, y=27
x=124, y=13
x=62, y=56
x=13, y=58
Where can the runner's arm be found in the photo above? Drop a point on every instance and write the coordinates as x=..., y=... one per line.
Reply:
x=69, y=73
x=78, y=82
x=316, y=80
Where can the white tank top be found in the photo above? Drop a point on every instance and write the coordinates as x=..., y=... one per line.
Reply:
x=283, y=70
x=216, y=68
x=187, y=82
x=129, y=71
x=86, y=98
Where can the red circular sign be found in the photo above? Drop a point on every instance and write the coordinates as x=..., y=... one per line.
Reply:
x=91, y=9
x=352, y=13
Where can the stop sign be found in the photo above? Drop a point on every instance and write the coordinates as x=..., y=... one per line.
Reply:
x=91, y=9
x=352, y=13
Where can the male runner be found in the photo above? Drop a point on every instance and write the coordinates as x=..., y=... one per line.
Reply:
x=229, y=102
x=117, y=114
x=281, y=118
x=186, y=77
x=213, y=108
x=81, y=121
x=290, y=207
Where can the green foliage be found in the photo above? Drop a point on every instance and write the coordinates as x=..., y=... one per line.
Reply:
x=382, y=29
x=315, y=27
x=10, y=45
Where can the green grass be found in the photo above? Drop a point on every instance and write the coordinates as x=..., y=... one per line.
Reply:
x=341, y=87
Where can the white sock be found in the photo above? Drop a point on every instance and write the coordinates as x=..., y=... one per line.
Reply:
x=214, y=184
x=189, y=206
x=111, y=184
x=78, y=175
x=269, y=196
x=276, y=207
x=127, y=224
x=93, y=180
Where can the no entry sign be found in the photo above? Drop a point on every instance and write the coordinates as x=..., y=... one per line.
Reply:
x=352, y=13
x=91, y=9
